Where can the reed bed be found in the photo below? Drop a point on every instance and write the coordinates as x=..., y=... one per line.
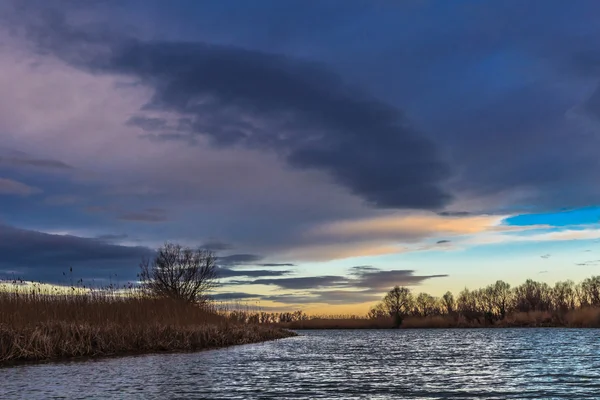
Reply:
x=38, y=326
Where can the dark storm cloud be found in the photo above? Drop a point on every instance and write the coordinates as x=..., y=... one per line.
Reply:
x=484, y=80
x=380, y=280
x=313, y=119
x=454, y=214
x=41, y=256
x=277, y=265
x=234, y=296
x=310, y=282
x=369, y=279
x=240, y=97
x=442, y=242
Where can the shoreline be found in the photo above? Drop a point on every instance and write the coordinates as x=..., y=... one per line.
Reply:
x=285, y=334
x=576, y=319
x=240, y=335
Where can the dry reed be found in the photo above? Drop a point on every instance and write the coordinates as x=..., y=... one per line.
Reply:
x=35, y=327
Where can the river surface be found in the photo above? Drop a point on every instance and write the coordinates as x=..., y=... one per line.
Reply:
x=389, y=364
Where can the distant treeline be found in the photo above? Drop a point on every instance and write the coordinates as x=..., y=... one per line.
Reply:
x=530, y=304
x=491, y=303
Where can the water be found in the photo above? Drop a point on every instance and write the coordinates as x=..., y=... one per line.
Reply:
x=415, y=364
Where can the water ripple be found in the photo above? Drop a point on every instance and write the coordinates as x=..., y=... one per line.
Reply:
x=411, y=364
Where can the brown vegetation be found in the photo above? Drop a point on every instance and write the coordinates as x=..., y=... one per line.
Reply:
x=38, y=326
x=532, y=304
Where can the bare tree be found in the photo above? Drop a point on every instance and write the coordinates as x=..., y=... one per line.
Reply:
x=179, y=272
x=377, y=311
x=591, y=288
x=398, y=302
x=426, y=305
x=564, y=296
x=448, y=303
x=533, y=296
x=502, y=298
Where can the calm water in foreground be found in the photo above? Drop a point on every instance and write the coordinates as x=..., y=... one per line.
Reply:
x=427, y=364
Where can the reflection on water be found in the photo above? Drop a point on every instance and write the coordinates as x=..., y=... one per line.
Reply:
x=431, y=364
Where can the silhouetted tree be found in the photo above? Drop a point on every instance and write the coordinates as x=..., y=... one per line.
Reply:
x=377, y=311
x=448, y=303
x=591, y=290
x=398, y=302
x=426, y=305
x=179, y=273
x=467, y=305
x=501, y=298
x=564, y=296
x=533, y=296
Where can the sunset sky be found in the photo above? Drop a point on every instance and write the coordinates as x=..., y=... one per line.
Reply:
x=325, y=150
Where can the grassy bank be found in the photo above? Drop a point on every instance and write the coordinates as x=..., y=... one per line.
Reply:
x=578, y=318
x=37, y=327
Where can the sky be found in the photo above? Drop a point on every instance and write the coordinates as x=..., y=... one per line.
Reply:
x=325, y=151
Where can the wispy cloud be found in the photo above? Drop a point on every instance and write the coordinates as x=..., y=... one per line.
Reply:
x=12, y=187
x=24, y=161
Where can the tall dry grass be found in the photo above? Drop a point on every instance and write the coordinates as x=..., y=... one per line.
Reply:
x=40, y=326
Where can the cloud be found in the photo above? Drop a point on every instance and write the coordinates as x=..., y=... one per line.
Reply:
x=24, y=161
x=231, y=273
x=11, y=187
x=227, y=296
x=239, y=259
x=589, y=263
x=532, y=235
x=378, y=281
x=239, y=97
x=360, y=269
x=454, y=213
x=369, y=279
x=408, y=227
x=294, y=150
x=443, y=241
x=277, y=265
x=309, y=282
x=545, y=256
x=147, y=215
x=42, y=256
x=216, y=245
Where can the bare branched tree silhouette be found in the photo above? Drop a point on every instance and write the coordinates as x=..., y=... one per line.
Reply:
x=398, y=302
x=179, y=273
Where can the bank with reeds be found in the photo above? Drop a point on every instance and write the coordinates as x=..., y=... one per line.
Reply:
x=42, y=327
